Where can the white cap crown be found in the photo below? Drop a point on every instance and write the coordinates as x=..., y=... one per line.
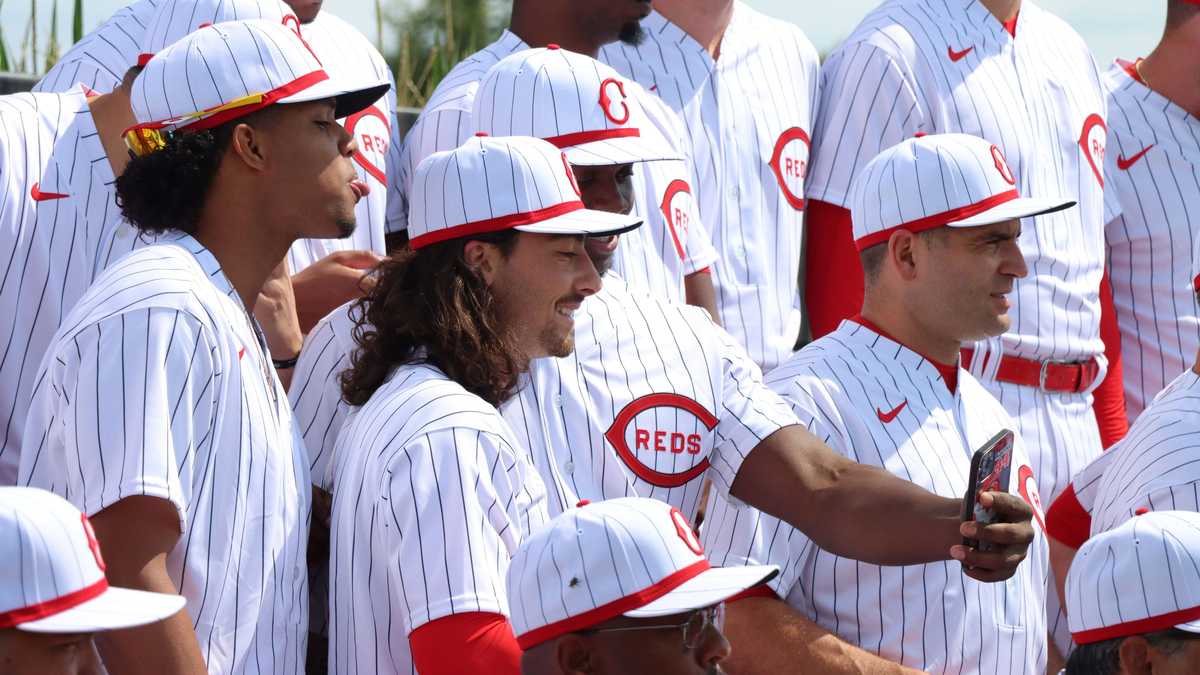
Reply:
x=175, y=19
x=1141, y=577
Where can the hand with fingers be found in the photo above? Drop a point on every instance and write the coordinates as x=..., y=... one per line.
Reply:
x=1006, y=539
x=331, y=282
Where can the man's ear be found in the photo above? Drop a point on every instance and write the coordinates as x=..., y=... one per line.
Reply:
x=483, y=258
x=576, y=655
x=1136, y=656
x=249, y=145
x=900, y=253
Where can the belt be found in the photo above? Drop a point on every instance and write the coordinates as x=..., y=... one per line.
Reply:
x=1056, y=376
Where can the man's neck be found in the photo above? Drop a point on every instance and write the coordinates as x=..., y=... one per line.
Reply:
x=1003, y=10
x=233, y=229
x=1173, y=68
x=704, y=20
x=892, y=318
x=540, y=24
x=112, y=115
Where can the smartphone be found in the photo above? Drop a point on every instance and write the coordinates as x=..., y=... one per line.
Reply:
x=991, y=467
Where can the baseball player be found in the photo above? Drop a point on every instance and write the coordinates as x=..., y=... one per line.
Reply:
x=1015, y=75
x=53, y=593
x=1154, y=157
x=157, y=411
x=671, y=257
x=629, y=584
x=61, y=155
x=99, y=60
x=936, y=221
x=432, y=492
x=1133, y=598
x=706, y=61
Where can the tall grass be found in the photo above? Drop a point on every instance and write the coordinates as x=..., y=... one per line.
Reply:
x=34, y=53
x=432, y=37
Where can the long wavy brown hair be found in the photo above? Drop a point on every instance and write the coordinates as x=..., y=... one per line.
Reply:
x=429, y=306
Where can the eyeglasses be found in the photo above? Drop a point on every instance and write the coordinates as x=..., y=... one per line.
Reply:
x=145, y=139
x=693, y=629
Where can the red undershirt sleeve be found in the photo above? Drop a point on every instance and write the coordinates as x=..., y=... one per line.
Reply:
x=1109, y=397
x=759, y=591
x=473, y=642
x=833, y=278
x=1067, y=520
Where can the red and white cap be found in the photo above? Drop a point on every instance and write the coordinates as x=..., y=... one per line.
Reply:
x=175, y=19
x=52, y=578
x=953, y=180
x=572, y=101
x=228, y=70
x=631, y=556
x=1141, y=577
x=490, y=184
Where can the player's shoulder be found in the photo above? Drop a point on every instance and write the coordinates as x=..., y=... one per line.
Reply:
x=824, y=364
x=457, y=89
x=418, y=399
x=619, y=302
x=50, y=107
x=777, y=31
x=1175, y=410
x=1052, y=30
x=335, y=35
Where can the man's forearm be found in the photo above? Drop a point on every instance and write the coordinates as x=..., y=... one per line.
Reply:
x=769, y=638
x=849, y=509
x=700, y=292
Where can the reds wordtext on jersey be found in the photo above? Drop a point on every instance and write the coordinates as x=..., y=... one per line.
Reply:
x=159, y=384
x=882, y=404
x=751, y=159
x=432, y=495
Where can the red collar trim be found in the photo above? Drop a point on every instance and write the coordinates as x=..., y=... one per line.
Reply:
x=1011, y=24
x=1130, y=68
x=1148, y=625
x=613, y=609
x=41, y=610
x=937, y=219
x=949, y=373
x=494, y=224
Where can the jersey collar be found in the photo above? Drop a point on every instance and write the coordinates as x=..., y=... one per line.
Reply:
x=948, y=374
x=207, y=261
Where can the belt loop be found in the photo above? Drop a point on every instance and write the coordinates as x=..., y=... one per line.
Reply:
x=1042, y=375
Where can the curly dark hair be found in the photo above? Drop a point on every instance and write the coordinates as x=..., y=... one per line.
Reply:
x=429, y=306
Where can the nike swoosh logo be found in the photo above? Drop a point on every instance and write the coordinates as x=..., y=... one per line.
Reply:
x=889, y=416
x=241, y=353
x=39, y=196
x=1124, y=164
x=958, y=56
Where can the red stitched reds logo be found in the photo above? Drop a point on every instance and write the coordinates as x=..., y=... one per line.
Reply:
x=685, y=532
x=1093, y=140
x=612, y=95
x=676, y=205
x=1002, y=166
x=1027, y=485
x=371, y=129
x=662, y=447
x=91, y=541
x=571, y=175
x=789, y=161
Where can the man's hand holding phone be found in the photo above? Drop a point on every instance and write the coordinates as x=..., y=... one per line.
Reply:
x=997, y=527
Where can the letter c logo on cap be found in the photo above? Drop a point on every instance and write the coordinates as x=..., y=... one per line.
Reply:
x=612, y=95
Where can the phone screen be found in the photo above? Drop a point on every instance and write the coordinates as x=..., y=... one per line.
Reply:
x=991, y=469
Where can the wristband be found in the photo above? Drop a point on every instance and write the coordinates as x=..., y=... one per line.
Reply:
x=282, y=364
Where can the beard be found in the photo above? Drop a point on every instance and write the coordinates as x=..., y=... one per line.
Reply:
x=345, y=227
x=632, y=34
x=558, y=346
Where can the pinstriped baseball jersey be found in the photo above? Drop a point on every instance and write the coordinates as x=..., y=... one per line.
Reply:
x=158, y=383
x=655, y=258
x=100, y=59
x=54, y=171
x=882, y=404
x=751, y=160
x=654, y=399
x=432, y=496
x=345, y=52
x=1154, y=156
x=940, y=66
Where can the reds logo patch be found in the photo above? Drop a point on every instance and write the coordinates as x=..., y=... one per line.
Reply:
x=612, y=101
x=1094, y=140
x=91, y=542
x=1027, y=485
x=676, y=207
x=685, y=532
x=1002, y=166
x=789, y=162
x=654, y=453
x=371, y=129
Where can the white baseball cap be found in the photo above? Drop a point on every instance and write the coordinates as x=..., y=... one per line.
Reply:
x=573, y=102
x=228, y=70
x=52, y=578
x=953, y=180
x=490, y=184
x=1141, y=577
x=631, y=556
x=175, y=19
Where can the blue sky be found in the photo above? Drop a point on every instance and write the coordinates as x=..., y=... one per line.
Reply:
x=1112, y=27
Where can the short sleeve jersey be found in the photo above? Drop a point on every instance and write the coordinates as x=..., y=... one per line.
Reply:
x=748, y=116
x=656, y=257
x=432, y=497
x=1154, y=170
x=101, y=58
x=159, y=383
x=938, y=66
x=882, y=404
